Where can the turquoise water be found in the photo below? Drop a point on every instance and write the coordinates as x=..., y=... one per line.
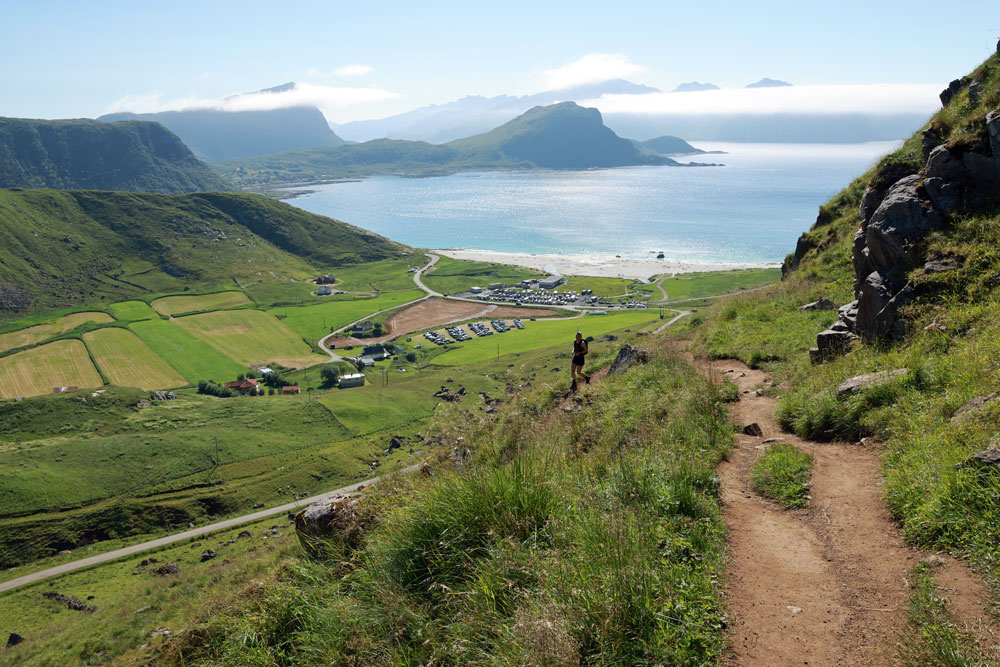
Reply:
x=751, y=210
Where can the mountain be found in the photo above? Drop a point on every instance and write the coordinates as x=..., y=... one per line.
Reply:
x=81, y=153
x=439, y=123
x=559, y=136
x=66, y=247
x=768, y=83
x=694, y=86
x=667, y=145
x=218, y=136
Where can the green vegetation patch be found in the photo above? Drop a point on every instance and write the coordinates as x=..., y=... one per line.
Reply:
x=178, y=305
x=132, y=311
x=38, y=370
x=125, y=360
x=191, y=357
x=454, y=275
x=694, y=285
x=380, y=276
x=601, y=286
x=782, y=474
x=251, y=337
x=315, y=321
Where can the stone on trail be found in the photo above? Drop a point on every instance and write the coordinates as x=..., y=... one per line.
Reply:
x=753, y=429
x=627, y=356
x=859, y=382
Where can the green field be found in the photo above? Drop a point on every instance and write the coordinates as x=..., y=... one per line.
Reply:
x=36, y=371
x=601, y=286
x=125, y=360
x=191, y=357
x=544, y=333
x=452, y=275
x=314, y=322
x=692, y=285
x=178, y=305
x=251, y=337
x=130, y=311
x=382, y=276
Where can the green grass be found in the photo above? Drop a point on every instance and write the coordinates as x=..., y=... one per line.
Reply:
x=193, y=358
x=693, y=285
x=383, y=276
x=542, y=334
x=315, y=321
x=453, y=275
x=601, y=286
x=125, y=360
x=37, y=371
x=251, y=337
x=178, y=305
x=132, y=311
x=782, y=474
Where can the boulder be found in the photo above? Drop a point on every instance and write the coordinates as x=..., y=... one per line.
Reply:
x=975, y=92
x=627, y=356
x=870, y=201
x=848, y=313
x=831, y=343
x=989, y=459
x=899, y=222
x=859, y=382
x=336, y=520
x=71, y=603
x=167, y=569
x=822, y=304
x=14, y=639
x=939, y=265
x=875, y=296
x=753, y=429
x=208, y=554
x=974, y=405
x=607, y=338
x=945, y=196
x=945, y=164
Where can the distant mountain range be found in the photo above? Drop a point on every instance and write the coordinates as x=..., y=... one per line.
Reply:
x=694, y=87
x=439, y=123
x=559, y=136
x=768, y=83
x=136, y=156
x=667, y=145
x=218, y=136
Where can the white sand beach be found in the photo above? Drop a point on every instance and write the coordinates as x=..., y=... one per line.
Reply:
x=601, y=266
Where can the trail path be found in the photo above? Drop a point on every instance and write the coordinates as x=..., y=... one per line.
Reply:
x=826, y=585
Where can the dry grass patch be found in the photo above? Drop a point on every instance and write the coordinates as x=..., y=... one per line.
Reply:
x=176, y=305
x=37, y=371
x=128, y=362
x=251, y=337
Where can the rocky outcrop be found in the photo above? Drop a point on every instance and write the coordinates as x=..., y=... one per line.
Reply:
x=333, y=521
x=974, y=405
x=859, y=382
x=821, y=304
x=627, y=356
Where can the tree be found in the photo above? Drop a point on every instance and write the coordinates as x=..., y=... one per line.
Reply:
x=377, y=329
x=411, y=357
x=270, y=391
x=330, y=374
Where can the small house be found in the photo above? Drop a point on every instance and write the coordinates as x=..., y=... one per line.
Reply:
x=378, y=352
x=362, y=328
x=328, y=279
x=246, y=386
x=367, y=362
x=352, y=380
x=290, y=389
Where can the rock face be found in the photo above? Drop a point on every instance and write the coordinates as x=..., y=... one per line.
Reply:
x=859, y=382
x=627, y=356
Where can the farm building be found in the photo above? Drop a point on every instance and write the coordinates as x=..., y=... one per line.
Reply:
x=352, y=380
x=378, y=352
x=291, y=389
x=550, y=282
x=247, y=386
x=476, y=290
x=362, y=328
x=367, y=362
x=328, y=279
x=324, y=290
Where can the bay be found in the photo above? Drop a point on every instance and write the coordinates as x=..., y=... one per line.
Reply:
x=750, y=210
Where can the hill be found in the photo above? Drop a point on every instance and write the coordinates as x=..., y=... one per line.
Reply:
x=475, y=114
x=560, y=136
x=217, y=136
x=768, y=83
x=71, y=247
x=87, y=154
x=667, y=145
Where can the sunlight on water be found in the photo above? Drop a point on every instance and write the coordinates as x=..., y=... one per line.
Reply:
x=751, y=210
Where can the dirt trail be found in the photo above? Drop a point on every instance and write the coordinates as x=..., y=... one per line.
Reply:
x=826, y=585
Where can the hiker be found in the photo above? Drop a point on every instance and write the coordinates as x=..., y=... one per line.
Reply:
x=579, y=352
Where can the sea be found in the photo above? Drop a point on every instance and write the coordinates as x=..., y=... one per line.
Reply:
x=751, y=210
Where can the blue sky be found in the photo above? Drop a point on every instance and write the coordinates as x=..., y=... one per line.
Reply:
x=73, y=59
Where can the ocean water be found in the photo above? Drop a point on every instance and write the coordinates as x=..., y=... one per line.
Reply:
x=750, y=210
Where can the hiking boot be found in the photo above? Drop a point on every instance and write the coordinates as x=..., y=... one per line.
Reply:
x=572, y=387
x=587, y=378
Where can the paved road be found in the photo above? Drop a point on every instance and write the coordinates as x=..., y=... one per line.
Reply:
x=680, y=314
x=180, y=537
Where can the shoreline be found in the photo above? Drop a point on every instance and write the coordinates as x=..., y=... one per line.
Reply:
x=597, y=266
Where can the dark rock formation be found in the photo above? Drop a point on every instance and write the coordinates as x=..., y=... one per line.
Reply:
x=14, y=639
x=71, y=603
x=167, y=569
x=208, y=554
x=627, y=356
x=753, y=429
x=953, y=89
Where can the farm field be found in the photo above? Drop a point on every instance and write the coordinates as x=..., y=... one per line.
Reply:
x=543, y=333
x=130, y=311
x=178, y=305
x=36, y=371
x=315, y=321
x=251, y=337
x=126, y=361
x=692, y=285
x=451, y=275
x=382, y=276
x=39, y=332
x=191, y=357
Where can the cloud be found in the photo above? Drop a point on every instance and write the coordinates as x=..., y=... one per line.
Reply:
x=301, y=94
x=346, y=70
x=592, y=68
x=821, y=99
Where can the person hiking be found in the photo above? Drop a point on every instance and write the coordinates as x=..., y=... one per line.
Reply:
x=580, y=350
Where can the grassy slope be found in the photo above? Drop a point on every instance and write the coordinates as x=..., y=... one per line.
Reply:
x=451, y=275
x=179, y=305
x=74, y=247
x=939, y=502
x=314, y=322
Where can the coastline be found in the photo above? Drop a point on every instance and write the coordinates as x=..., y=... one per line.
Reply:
x=597, y=266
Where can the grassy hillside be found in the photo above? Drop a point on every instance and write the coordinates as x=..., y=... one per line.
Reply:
x=86, y=154
x=949, y=348
x=560, y=136
x=72, y=247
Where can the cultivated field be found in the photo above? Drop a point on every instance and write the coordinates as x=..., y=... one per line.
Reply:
x=251, y=337
x=178, y=305
x=36, y=371
x=315, y=321
x=73, y=320
x=39, y=332
x=193, y=358
x=128, y=362
x=544, y=333
x=130, y=311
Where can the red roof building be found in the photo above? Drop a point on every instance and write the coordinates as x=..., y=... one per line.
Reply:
x=246, y=386
x=291, y=389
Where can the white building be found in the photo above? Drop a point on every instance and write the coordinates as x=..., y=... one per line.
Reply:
x=352, y=380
